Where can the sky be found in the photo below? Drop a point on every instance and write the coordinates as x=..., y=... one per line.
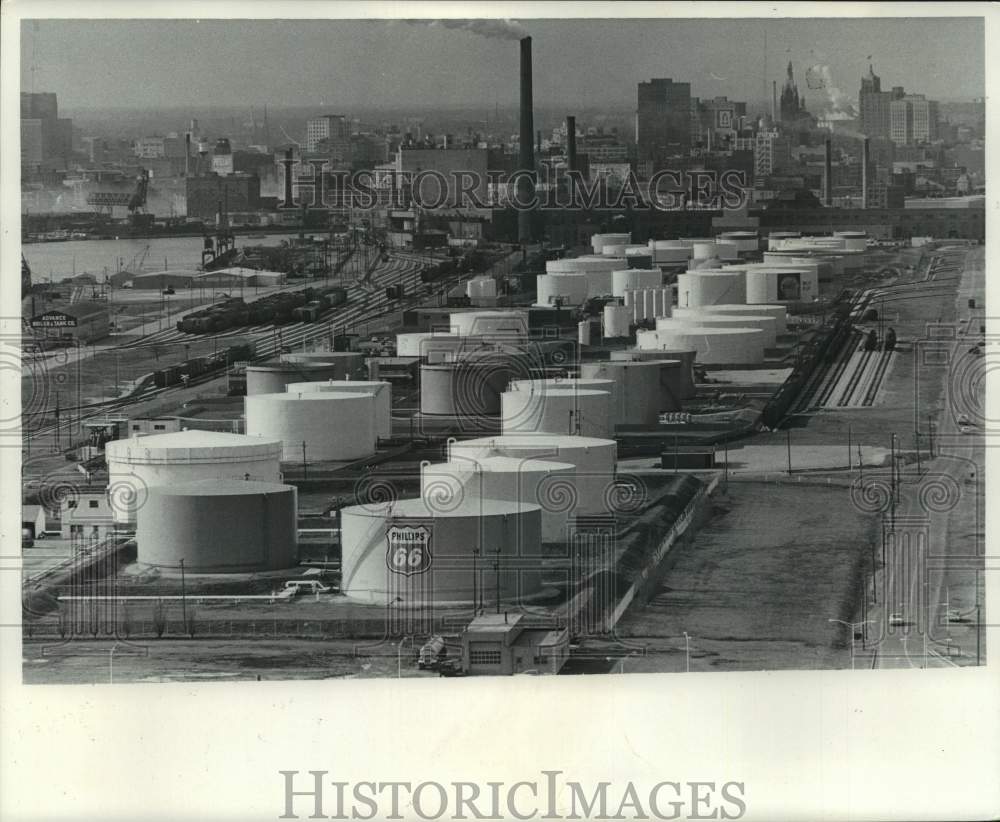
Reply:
x=343, y=64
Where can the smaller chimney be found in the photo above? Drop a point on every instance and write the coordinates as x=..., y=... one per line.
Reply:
x=187, y=154
x=571, y=143
x=774, y=101
x=864, y=173
x=288, y=178
x=827, y=174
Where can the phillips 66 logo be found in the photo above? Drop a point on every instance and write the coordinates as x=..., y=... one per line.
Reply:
x=409, y=549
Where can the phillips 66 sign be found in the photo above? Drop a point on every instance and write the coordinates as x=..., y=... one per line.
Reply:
x=408, y=549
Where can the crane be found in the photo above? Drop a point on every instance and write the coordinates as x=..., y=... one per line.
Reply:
x=134, y=202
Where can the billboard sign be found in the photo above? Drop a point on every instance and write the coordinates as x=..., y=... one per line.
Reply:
x=408, y=549
x=53, y=319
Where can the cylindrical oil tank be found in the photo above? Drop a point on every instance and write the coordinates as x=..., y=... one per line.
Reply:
x=638, y=395
x=726, y=250
x=594, y=459
x=597, y=269
x=583, y=332
x=853, y=240
x=617, y=319
x=613, y=250
x=648, y=303
x=545, y=483
x=540, y=386
x=349, y=363
x=714, y=345
x=781, y=284
x=777, y=312
x=706, y=319
x=408, y=554
x=629, y=297
x=219, y=526
x=469, y=388
x=382, y=391
x=333, y=426
x=138, y=464
x=272, y=377
x=699, y=288
x=746, y=241
x=479, y=287
x=704, y=251
x=686, y=359
x=598, y=241
x=581, y=411
x=508, y=325
x=634, y=278
x=572, y=289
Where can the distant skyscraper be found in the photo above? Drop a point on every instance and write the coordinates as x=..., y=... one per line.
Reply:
x=913, y=120
x=663, y=120
x=875, y=105
x=334, y=129
x=46, y=138
x=791, y=107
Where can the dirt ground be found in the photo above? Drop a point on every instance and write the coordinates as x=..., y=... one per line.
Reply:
x=751, y=592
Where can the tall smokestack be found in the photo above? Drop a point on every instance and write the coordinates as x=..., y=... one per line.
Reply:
x=288, y=178
x=538, y=141
x=827, y=174
x=571, y=143
x=526, y=185
x=774, y=101
x=864, y=173
x=187, y=154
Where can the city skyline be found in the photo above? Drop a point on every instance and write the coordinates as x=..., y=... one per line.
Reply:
x=170, y=63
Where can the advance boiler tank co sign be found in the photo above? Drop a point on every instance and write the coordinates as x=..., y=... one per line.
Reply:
x=53, y=319
x=408, y=549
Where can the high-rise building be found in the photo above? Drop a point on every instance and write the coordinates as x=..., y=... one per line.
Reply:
x=46, y=138
x=913, y=120
x=875, y=105
x=663, y=120
x=331, y=132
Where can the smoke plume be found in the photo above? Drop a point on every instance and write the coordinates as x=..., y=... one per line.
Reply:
x=493, y=29
x=839, y=106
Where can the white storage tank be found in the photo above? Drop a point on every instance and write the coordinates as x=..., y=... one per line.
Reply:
x=506, y=325
x=777, y=284
x=581, y=411
x=273, y=377
x=406, y=553
x=593, y=458
x=701, y=288
x=617, y=320
x=633, y=278
x=638, y=395
x=777, y=312
x=219, y=526
x=348, y=364
x=704, y=251
x=469, y=388
x=745, y=241
x=598, y=241
x=686, y=383
x=382, y=391
x=334, y=426
x=714, y=345
x=726, y=250
x=540, y=386
x=706, y=319
x=137, y=464
x=583, y=332
x=480, y=287
x=545, y=483
x=571, y=288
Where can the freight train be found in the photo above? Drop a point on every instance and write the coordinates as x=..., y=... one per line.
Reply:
x=468, y=262
x=175, y=374
x=306, y=305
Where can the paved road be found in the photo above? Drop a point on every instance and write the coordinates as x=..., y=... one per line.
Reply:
x=932, y=555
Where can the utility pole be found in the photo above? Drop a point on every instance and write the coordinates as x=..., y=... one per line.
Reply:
x=183, y=597
x=788, y=442
x=848, y=448
x=916, y=439
x=496, y=569
x=303, y=459
x=475, y=572
x=861, y=465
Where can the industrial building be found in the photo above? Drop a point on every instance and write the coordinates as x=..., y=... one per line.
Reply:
x=82, y=322
x=504, y=644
